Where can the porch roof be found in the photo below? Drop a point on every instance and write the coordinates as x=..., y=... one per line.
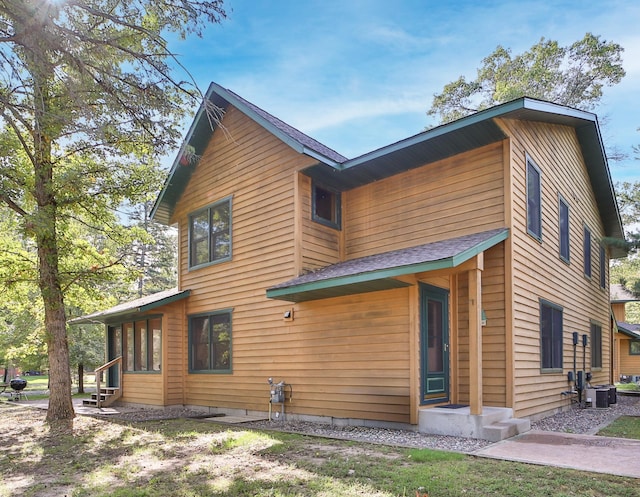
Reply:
x=129, y=309
x=379, y=272
x=629, y=329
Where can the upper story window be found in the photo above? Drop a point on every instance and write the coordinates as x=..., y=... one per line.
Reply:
x=564, y=229
x=534, y=200
x=210, y=234
x=603, y=267
x=587, y=252
x=550, y=336
x=210, y=342
x=326, y=206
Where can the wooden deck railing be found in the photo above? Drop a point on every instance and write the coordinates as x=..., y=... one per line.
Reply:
x=117, y=362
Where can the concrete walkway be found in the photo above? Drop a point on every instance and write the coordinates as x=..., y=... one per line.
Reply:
x=615, y=456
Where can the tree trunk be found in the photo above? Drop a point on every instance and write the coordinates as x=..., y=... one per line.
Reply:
x=44, y=226
x=80, y=378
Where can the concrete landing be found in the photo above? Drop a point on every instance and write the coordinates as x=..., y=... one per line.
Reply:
x=615, y=456
x=494, y=424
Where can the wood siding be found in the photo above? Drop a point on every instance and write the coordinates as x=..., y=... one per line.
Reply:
x=453, y=197
x=320, y=244
x=629, y=364
x=538, y=271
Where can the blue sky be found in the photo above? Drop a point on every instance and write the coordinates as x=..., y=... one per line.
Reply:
x=361, y=74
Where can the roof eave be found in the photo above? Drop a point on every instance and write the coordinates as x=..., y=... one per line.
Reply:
x=353, y=283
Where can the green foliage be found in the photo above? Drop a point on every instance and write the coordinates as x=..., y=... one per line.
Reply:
x=573, y=76
x=88, y=98
x=626, y=272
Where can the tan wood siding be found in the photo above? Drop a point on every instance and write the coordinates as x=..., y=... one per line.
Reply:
x=142, y=388
x=452, y=197
x=320, y=244
x=345, y=358
x=494, y=359
x=538, y=271
x=174, y=364
x=629, y=364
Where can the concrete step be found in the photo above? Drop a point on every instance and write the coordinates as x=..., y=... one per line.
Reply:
x=505, y=429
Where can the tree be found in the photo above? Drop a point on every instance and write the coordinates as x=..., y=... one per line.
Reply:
x=87, y=89
x=154, y=256
x=573, y=76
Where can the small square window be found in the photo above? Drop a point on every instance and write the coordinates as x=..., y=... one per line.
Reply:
x=326, y=206
x=634, y=347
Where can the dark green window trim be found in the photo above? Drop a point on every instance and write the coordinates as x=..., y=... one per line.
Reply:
x=210, y=234
x=144, y=354
x=326, y=206
x=596, y=345
x=534, y=199
x=587, y=252
x=603, y=267
x=551, y=337
x=563, y=228
x=210, y=340
x=634, y=347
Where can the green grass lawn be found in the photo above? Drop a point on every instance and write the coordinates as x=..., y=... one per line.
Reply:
x=623, y=427
x=193, y=458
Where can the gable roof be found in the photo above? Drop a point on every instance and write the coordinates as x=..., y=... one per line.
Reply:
x=335, y=171
x=378, y=272
x=126, y=309
x=202, y=129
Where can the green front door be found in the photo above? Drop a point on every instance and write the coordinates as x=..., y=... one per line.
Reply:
x=434, y=344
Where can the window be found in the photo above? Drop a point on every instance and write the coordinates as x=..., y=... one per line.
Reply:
x=210, y=234
x=142, y=345
x=564, y=229
x=596, y=345
x=603, y=267
x=634, y=347
x=534, y=201
x=587, y=252
x=550, y=336
x=210, y=342
x=326, y=206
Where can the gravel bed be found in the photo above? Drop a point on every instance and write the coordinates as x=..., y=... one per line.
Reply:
x=591, y=419
x=574, y=420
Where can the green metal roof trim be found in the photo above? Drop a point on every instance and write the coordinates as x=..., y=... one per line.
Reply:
x=377, y=272
x=201, y=131
x=475, y=131
x=335, y=171
x=133, y=307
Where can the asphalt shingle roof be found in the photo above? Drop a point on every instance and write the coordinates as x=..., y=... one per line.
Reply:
x=421, y=254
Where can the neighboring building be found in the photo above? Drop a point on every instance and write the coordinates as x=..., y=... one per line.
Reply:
x=447, y=269
x=626, y=355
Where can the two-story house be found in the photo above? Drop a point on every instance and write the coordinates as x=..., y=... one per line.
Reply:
x=433, y=284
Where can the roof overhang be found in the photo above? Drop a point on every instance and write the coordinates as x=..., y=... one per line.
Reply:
x=380, y=271
x=135, y=307
x=209, y=116
x=630, y=330
x=478, y=130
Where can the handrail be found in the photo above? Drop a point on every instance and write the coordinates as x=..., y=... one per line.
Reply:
x=98, y=371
